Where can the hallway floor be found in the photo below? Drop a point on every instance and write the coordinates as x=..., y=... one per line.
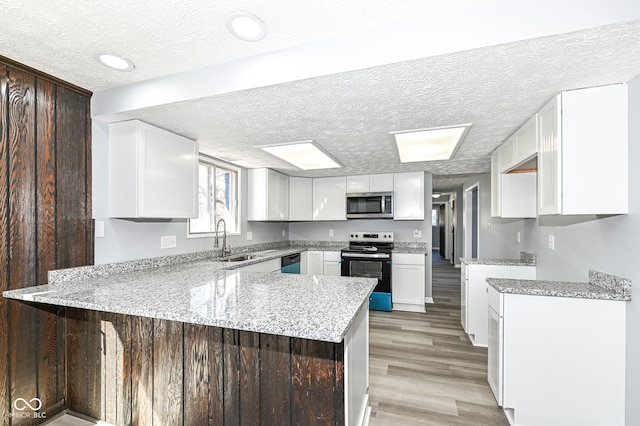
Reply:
x=424, y=370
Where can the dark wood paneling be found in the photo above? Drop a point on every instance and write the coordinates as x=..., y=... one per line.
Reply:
x=32, y=337
x=231, y=362
x=141, y=371
x=167, y=372
x=95, y=370
x=196, y=374
x=77, y=365
x=42, y=75
x=249, y=378
x=22, y=233
x=123, y=395
x=71, y=183
x=313, y=380
x=216, y=376
x=5, y=402
x=48, y=364
x=110, y=375
x=275, y=380
x=170, y=373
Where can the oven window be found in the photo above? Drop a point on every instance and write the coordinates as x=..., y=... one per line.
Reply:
x=365, y=269
x=364, y=205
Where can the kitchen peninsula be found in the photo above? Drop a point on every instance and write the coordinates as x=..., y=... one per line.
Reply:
x=187, y=340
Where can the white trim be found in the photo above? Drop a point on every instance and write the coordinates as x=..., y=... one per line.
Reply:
x=429, y=300
x=466, y=218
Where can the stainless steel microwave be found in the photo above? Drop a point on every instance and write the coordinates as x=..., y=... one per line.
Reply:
x=370, y=205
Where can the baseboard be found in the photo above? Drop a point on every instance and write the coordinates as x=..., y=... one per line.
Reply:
x=429, y=300
x=407, y=307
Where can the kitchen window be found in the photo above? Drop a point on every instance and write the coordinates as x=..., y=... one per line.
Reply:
x=217, y=199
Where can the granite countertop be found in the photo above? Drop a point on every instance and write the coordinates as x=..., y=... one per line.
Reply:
x=199, y=289
x=600, y=286
x=526, y=259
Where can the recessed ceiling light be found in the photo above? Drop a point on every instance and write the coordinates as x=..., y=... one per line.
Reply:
x=246, y=26
x=437, y=143
x=115, y=62
x=304, y=155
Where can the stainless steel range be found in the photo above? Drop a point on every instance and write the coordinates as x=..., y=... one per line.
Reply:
x=369, y=256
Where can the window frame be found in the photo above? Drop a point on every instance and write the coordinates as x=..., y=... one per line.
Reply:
x=238, y=170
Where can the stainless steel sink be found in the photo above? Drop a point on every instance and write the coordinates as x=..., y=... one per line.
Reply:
x=238, y=258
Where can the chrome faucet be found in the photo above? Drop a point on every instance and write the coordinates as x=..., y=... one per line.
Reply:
x=225, y=251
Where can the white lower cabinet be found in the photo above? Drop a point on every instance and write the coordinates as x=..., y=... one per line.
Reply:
x=315, y=262
x=473, y=295
x=332, y=263
x=557, y=360
x=408, y=282
x=273, y=265
x=323, y=262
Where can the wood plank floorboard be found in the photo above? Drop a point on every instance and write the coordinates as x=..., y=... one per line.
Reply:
x=423, y=368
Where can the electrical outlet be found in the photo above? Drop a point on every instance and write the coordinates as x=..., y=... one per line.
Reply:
x=518, y=236
x=331, y=232
x=168, y=241
x=284, y=233
x=99, y=230
x=417, y=233
x=552, y=242
x=249, y=235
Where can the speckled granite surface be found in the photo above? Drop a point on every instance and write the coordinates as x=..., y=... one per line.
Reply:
x=600, y=286
x=526, y=259
x=201, y=292
x=411, y=248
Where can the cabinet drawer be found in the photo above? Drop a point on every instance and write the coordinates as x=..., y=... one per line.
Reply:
x=408, y=258
x=496, y=300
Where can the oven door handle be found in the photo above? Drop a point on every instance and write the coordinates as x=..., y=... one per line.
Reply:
x=367, y=256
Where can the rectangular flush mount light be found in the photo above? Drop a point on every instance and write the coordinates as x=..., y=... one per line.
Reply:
x=305, y=155
x=437, y=143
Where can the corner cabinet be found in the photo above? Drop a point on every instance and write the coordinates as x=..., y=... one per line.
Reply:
x=583, y=152
x=153, y=173
x=408, y=196
x=268, y=194
x=329, y=198
x=514, y=174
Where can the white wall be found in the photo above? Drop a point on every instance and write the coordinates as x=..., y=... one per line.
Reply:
x=127, y=240
x=607, y=244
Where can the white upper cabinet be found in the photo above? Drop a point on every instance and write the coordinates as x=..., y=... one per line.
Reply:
x=408, y=196
x=520, y=147
x=329, y=198
x=358, y=183
x=153, y=173
x=300, y=198
x=268, y=195
x=370, y=183
x=583, y=152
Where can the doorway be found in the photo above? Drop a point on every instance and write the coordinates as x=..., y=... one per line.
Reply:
x=471, y=221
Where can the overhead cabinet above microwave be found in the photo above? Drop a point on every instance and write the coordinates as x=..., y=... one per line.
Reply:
x=398, y=196
x=153, y=173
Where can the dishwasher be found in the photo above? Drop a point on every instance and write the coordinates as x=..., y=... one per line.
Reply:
x=290, y=264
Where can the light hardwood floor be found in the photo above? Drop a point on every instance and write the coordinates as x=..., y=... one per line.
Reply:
x=424, y=370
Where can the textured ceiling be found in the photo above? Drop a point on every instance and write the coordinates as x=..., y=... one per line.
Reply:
x=350, y=114
x=164, y=37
